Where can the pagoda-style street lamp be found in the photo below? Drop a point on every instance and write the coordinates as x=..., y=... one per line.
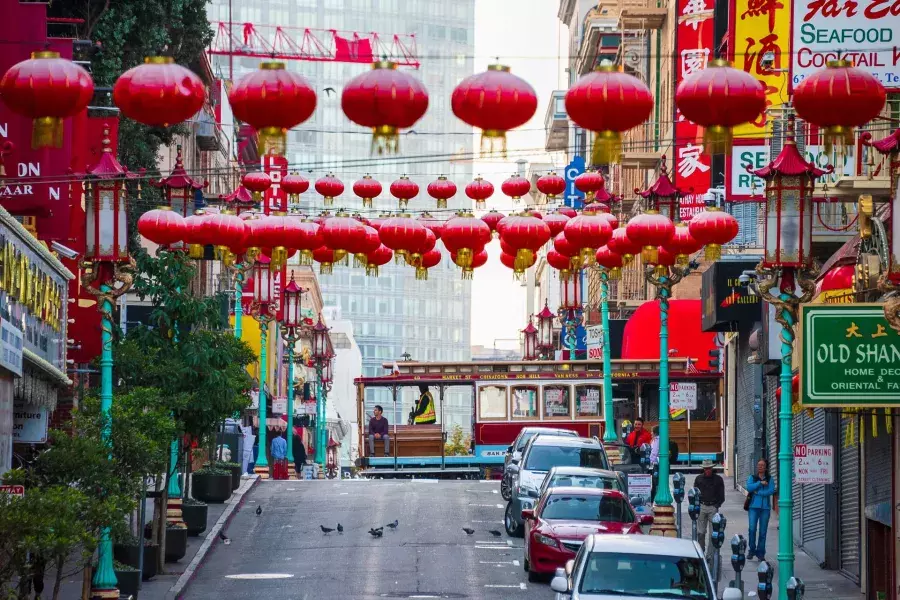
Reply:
x=570, y=310
x=321, y=356
x=263, y=310
x=107, y=273
x=545, y=332
x=530, y=334
x=609, y=264
x=787, y=279
x=291, y=329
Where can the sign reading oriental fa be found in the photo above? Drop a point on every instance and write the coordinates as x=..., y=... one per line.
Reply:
x=849, y=356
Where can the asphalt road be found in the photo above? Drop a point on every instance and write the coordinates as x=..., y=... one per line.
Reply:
x=283, y=554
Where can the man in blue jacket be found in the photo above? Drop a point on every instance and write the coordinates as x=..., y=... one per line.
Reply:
x=761, y=489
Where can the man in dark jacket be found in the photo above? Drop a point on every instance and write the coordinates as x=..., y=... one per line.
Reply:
x=378, y=430
x=712, y=497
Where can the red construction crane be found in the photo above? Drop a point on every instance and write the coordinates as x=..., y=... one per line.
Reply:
x=303, y=43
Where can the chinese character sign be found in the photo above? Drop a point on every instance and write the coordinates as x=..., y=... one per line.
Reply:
x=759, y=27
x=694, y=51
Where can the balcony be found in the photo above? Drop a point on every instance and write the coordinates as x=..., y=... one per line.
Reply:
x=599, y=23
x=207, y=131
x=642, y=14
x=556, y=123
x=639, y=147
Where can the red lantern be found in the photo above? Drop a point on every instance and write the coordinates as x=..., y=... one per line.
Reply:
x=368, y=244
x=713, y=228
x=556, y=222
x=569, y=250
x=162, y=226
x=494, y=101
x=179, y=188
x=326, y=257
x=720, y=98
x=308, y=237
x=386, y=100
x=378, y=258
x=293, y=185
x=492, y=218
x=429, y=260
x=229, y=235
x=46, y=89
x=272, y=100
x=534, y=213
x=479, y=190
x=404, y=190
x=664, y=260
x=329, y=187
x=608, y=102
x=610, y=261
x=403, y=234
x=587, y=233
x=551, y=184
x=560, y=263
x=589, y=182
x=257, y=182
x=345, y=235
x=682, y=244
x=278, y=233
x=529, y=338
x=414, y=256
x=479, y=259
x=837, y=99
x=432, y=224
x=464, y=236
x=650, y=230
x=441, y=189
x=515, y=187
x=517, y=265
x=526, y=235
x=568, y=211
x=368, y=189
x=193, y=235
x=622, y=245
x=159, y=93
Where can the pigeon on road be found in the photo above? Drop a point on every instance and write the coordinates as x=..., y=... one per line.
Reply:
x=468, y=530
x=258, y=510
x=494, y=532
x=326, y=529
x=225, y=539
x=394, y=524
x=376, y=533
x=340, y=528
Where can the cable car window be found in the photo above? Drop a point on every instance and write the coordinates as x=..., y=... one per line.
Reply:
x=492, y=402
x=557, y=404
x=587, y=401
x=524, y=402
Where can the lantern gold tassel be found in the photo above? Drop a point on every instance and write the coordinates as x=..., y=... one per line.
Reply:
x=587, y=257
x=306, y=257
x=713, y=252
x=607, y=147
x=46, y=132
x=717, y=139
x=279, y=258
x=650, y=254
x=195, y=251
x=467, y=273
x=464, y=259
x=372, y=270
x=360, y=260
x=385, y=140
x=840, y=135
x=271, y=140
x=493, y=141
x=326, y=269
x=421, y=273
x=524, y=259
x=615, y=273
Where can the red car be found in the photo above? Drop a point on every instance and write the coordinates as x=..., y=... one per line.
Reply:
x=565, y=516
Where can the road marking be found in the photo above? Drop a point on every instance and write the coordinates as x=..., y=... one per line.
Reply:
x=481, y=491
x=260, y=576
x=514, y=563
x=487, y=505
x=492, y=542
x=344, y=494
x=509, y=543
x=491, y=547
x=495, y=492
x=521, y=586
x=493, y=521
x=499, y=506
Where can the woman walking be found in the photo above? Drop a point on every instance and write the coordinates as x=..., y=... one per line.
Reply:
x=761, y=488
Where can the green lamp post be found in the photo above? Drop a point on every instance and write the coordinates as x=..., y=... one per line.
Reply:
x=321, y=355
x=291, y=328
x=609, y=265
x=263, y=310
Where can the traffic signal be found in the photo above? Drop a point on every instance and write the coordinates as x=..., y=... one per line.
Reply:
x=714, y=359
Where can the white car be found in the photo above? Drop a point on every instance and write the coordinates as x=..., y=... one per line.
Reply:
x=637, y=567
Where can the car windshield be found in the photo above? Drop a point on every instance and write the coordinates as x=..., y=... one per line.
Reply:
x=570, y=507
x=544, y=458
x=530, y=434
x=599, y=482
x=622, y=574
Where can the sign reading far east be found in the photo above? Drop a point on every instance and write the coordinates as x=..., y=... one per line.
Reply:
x=849, y=356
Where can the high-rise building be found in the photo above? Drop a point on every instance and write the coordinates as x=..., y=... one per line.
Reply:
x=394, y=313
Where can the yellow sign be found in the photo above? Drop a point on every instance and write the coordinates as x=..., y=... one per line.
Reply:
x=27, y=283
x=760, y=42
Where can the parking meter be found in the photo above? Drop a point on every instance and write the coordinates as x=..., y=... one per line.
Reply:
x=678, y=494
x=694, y=510
x=738, y=560
x=795, y=588
x=765, y=573
x=645, y=457
x=717, y=523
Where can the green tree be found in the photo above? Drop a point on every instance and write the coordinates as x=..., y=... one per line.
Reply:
x=458, y=444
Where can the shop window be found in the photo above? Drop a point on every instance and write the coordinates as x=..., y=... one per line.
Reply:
x=492, y=402
x=524, y=402
x=557, y=402
x=588, y=402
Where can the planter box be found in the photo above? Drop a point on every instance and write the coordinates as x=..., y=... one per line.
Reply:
x=235, y=476
x=194, y=516
x=176, y=543
x=212, y=489
x=128, y=555
x=128, y=583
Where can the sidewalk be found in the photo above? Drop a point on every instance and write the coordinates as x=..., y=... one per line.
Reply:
x=821, y=584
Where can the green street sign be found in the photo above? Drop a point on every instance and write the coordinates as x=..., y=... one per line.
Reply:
x=849, y=356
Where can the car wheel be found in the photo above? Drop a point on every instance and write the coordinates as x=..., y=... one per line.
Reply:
x=534, y=577
x=526, y=565
x=513, y=529
x=505, y=490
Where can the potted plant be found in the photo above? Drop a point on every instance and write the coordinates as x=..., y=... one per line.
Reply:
x=194, y=514
x=212, y=485
x=235, y=469
x=176, y=542
x=127, y=551
x=128, y=579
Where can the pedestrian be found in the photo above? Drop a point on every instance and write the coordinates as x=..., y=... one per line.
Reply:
x=279, y=457
x=654, y=461
x=712, y=497
x=760, y=489
x=378, y=430
x=637, y=438
x=299, y=452
x=423, y=413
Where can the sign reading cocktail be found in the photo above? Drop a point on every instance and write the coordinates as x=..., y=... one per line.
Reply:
x=849, y=356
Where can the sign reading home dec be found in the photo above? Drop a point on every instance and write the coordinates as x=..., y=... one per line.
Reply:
x=849, y=356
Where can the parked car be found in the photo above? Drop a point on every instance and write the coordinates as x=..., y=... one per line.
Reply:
x=584, y=477
x=514, y=453
x=564, y=516
x=542, y=453
x=640, y=567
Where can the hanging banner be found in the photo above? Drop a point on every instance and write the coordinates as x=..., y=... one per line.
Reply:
x=694, y=43
x=276, y=167
x=759, y=27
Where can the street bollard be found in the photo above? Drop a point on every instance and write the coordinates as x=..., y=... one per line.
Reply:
x=795, y=588
x=738, y=560
x=678, y=493
x=765, y=573
x=717, y=523
x=694, y=510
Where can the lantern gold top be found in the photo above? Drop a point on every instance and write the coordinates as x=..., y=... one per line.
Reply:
x=498, y=67
x=720, y=62
x=158, y=60
x=163, y=208
x=45, y=54
x=608, y=68
x=836, y=64
x=271, y=65
x=384, y=64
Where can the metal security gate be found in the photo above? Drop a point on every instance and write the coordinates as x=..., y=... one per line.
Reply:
x=849, y=514
x=810, y=498
x=772, y=430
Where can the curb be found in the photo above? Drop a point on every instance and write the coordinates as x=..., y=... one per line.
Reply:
x=236, y=501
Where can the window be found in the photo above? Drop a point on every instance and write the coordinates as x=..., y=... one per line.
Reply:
x=524, y=402
x=571, y=507
x=457, y=34
x=557, y=402
x=492, y=402
x=544, y=457
x=587, y=401
x=636, y=574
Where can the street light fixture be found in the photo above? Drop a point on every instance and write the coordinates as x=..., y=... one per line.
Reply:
x=263, y=310
x=291, y=331
x=530, y=333
x=545, y=332
x=321, y=355
x=570, y=310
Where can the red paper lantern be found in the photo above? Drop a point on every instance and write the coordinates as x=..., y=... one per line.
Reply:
x=194, y=235
x=229, y=235
x=293, y=185
x=682, y=244
x=837, y=99
x=650, y=230
x=479, y=259
x=589, y=183
x=608, y=102
x=494, y=101
x=562, y=245
x=429, y=260
x=568, y=211
x=556, y=222
x=464, y=236
x=329, y=187
x=403, y=234
x=378, y=258
x=492, y=218
x=159, y=92
x=308, y=237
x=367, y=189
x=272, y=100
x=414, y=256
x=517, y=265
x=587, y=233
x=561, y=263
x=479, y=190
x=441, y=189
x=277, y=233
x=326, y=257
x=720, y=98
x=162, y=226
x=385, y=100
x=664, y=260
x=345, y=235
x=257, y=182
x=404, y=190
x=46, y=89
x=432, y=224
x=713, y=228
x=610, y=261
x=622, y=245
x=526, y=235
x=551, y=184
x=515, y=187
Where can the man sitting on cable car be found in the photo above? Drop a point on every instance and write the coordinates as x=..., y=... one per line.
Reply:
x=423, y=413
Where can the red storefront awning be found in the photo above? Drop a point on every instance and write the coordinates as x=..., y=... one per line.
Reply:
x=686, y=336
